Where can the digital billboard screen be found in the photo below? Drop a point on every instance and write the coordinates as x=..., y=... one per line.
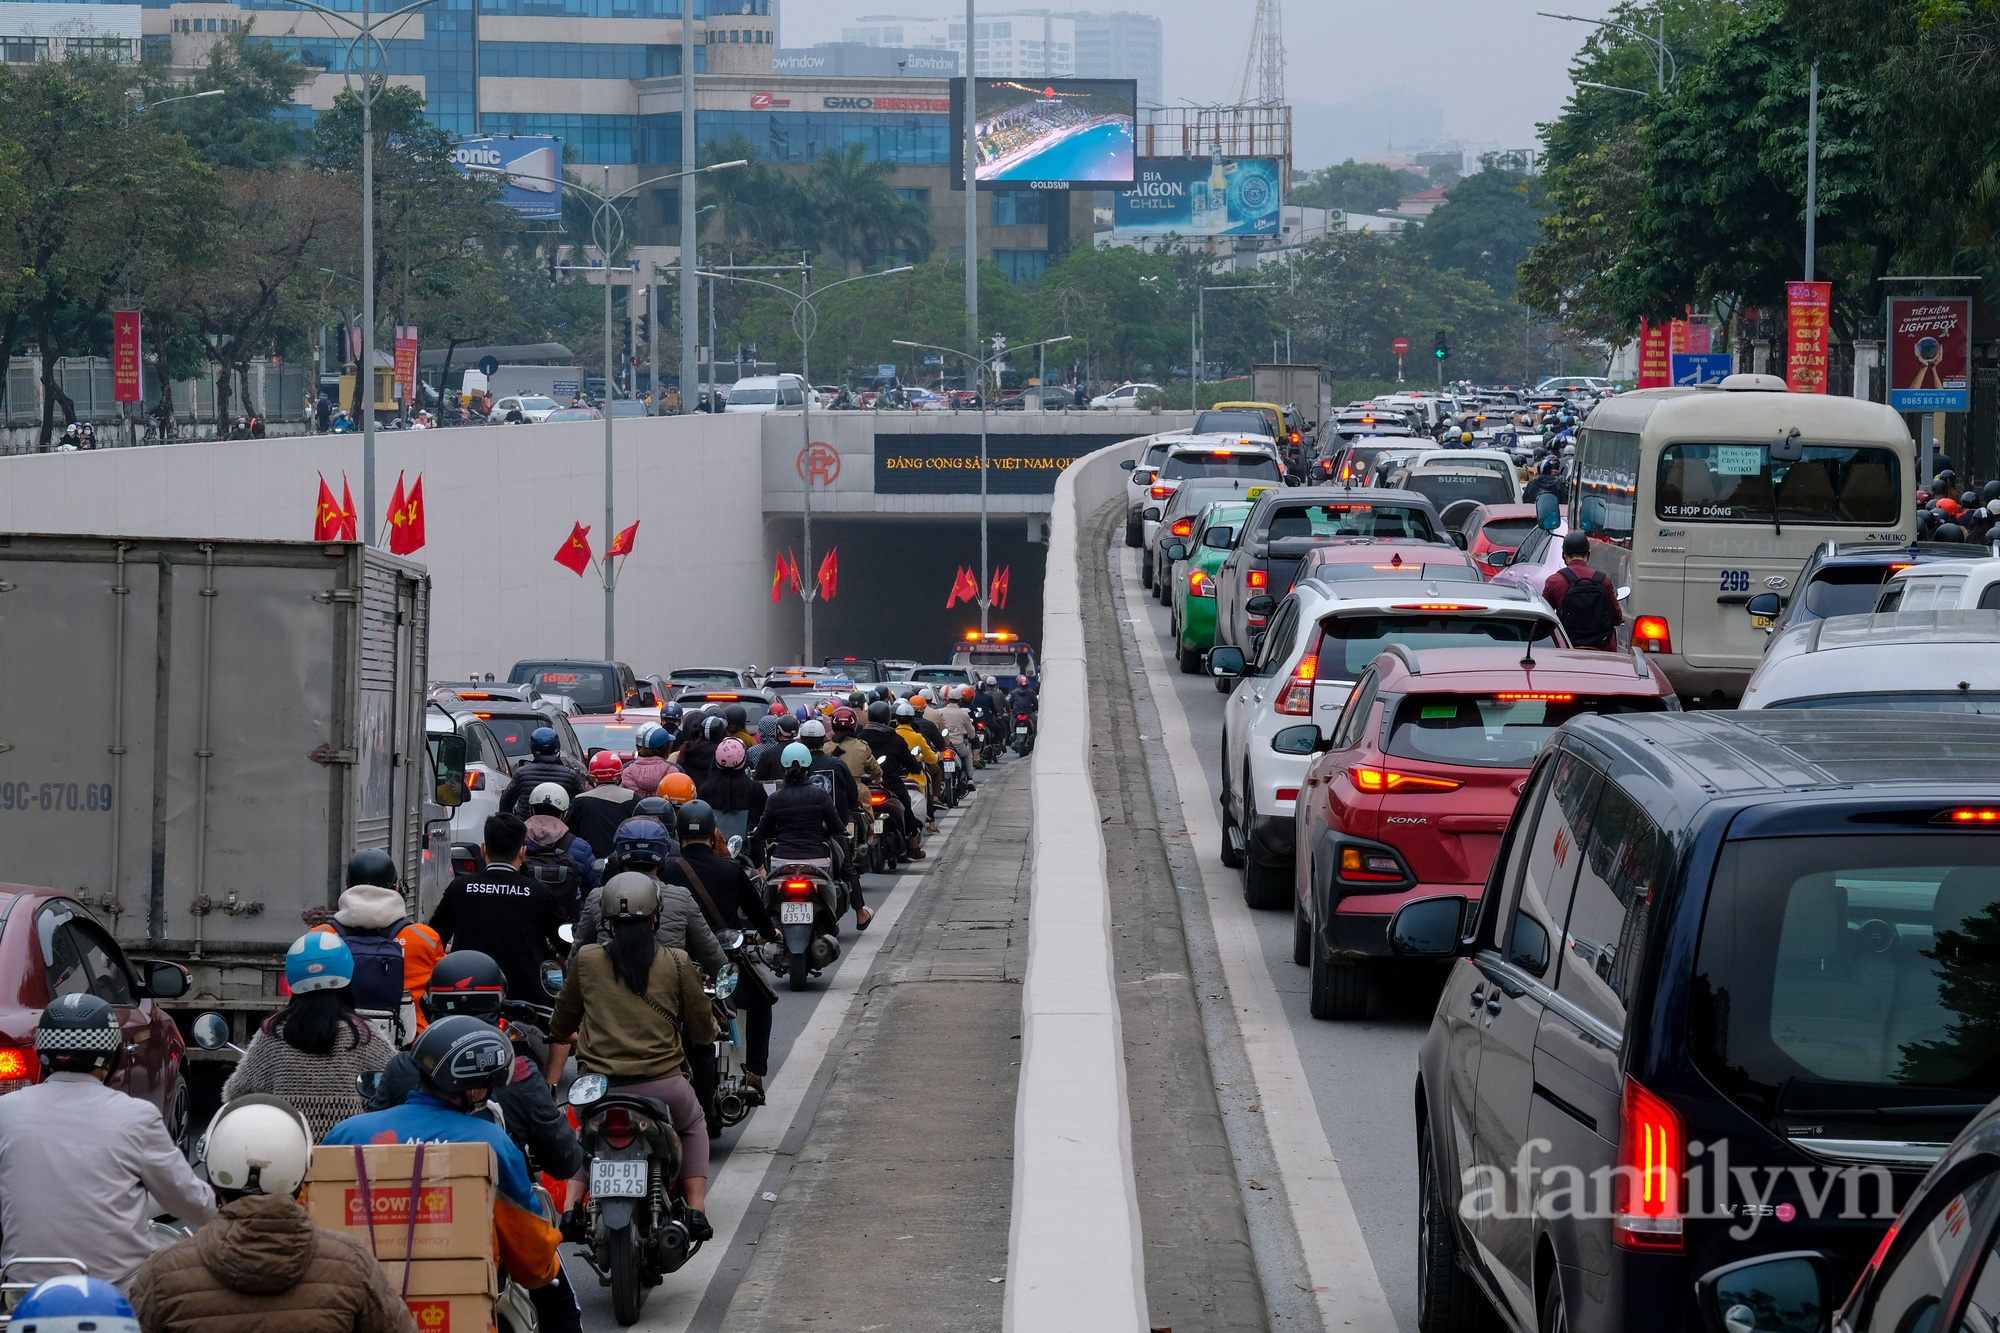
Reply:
x=1052, y=132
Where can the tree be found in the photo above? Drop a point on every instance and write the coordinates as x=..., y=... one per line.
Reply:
x=1120, y=305
x=861, y=217
x=243, y=128
x=1594, y=204
x=1358, y=187
x=1486, y=226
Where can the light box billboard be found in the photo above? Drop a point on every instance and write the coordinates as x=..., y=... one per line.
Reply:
x=1200, y=196
x=530, y=164
x=1047, y=132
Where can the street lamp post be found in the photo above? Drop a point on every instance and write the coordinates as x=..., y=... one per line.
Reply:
x=607, y=231
x=805, y=322
x=985, y=563
x=1660, y=75
x=1201, y=331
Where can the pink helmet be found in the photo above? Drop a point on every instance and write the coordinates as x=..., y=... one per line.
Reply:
x=729, y=754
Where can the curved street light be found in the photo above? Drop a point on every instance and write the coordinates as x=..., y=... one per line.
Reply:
x=1666, y=56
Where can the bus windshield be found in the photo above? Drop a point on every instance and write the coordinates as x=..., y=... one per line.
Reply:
x=1738, y=483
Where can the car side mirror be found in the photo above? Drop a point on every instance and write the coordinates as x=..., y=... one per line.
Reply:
x=1302, y=739
x=1765, y=604
x=1773, y=1293
x=1225, y=662
x=1458, y=540
x=1175, y=551
x=1427, y=928
x=1144, y=476
x=1263, y=604
x=166, y=981
x=448, y=758
x=1129, y=464
x=1294, y=479
x=1499, y=559
x=1218, y=537
x=1151, y=514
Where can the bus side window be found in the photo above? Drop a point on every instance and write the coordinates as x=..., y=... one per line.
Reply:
x=1607, y=485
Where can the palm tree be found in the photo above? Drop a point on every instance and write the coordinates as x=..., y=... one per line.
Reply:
x=860, y=216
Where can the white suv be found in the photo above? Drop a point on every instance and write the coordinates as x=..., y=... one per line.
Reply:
x=1321, y=637
x=1125, y=395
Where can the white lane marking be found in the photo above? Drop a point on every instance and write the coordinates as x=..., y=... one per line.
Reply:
x=1345, y=1284
x=672, y=1305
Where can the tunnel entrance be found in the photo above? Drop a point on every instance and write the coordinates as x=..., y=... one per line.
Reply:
x=895, y=574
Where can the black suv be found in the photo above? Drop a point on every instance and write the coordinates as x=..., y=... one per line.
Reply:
x=1730, y=990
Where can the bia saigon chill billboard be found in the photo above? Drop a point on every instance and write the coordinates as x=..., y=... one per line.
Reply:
x=1198, y=196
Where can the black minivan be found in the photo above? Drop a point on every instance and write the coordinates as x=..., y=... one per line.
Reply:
x=1732, y=987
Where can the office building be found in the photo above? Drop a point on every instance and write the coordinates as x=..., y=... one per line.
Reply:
x=33, y=32
x=1122, y=46
x=1025, y=43
x=859, y=60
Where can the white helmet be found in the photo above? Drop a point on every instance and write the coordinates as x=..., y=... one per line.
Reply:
x=550, y=794
x=258, y=1144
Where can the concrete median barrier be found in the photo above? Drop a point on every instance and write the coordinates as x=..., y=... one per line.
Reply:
x=1075, y=1255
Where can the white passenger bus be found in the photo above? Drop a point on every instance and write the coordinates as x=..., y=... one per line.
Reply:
x=1692, y=515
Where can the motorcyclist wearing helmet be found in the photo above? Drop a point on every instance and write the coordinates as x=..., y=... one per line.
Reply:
x=996, y=700
x=502, y=912
x=920, y=752
x=730, y=900
x=731, y=790
x=645, y=848
x=262, y=1261
x=595, y=815
x=697, y=755
x=545, y=763
x=892, y=753
x=737, y=718
x=800, y=823
x=556, y=856
x=625, y=1006
x=310, y=1051
x=74, y=1302
x=372, y=917
x=767, y=739
x=651, y=767
x=926, y=724
x=955, y=725
x=460, y=1061
x=1549, y=480
x=78, y=1158
x=1023, y=698
x=769, y=766
x=851, y=750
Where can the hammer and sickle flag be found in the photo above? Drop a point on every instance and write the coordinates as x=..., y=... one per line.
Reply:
x=575, y=553
x=326, y=515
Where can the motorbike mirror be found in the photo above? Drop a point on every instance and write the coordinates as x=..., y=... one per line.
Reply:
x=366, y=1082
x=730, y=940
x=736, y=844
x=210, y=1032
x=725, y=981
x=566, y=933
x=588, y=1088
x=552, y=977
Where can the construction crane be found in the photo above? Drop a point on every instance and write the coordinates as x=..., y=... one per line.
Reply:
x=1266, y=57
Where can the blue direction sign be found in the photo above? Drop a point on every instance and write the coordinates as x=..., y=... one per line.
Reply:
x=1701, y=367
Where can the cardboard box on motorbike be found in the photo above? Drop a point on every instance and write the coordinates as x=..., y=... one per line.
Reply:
x=448, y=1295
x=453, y=1198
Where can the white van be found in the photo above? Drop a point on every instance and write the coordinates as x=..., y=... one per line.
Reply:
x=1945, y=585
x=765, y=393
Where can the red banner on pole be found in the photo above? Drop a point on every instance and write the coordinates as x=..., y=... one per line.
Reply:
x=1808, y=305
x=126, y=357
x=1677, y=336
x=406, y=362
x=1655, y=356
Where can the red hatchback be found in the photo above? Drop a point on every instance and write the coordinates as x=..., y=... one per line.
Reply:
x=1410, y=795
x=1491, y=529
x=50, y=946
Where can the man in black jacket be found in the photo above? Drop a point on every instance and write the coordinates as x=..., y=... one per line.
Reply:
x=544, y=764
x=595, y=815
x=892, y=752
x=730, y=901
x=503, y=913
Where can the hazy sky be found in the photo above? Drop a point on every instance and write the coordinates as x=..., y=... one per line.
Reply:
x=1498, y=68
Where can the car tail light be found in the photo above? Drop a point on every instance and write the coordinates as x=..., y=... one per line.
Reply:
x=1161, y=492
x=1296, y=699
x=1182, y=527
x=1256, y=578
x=1980, y=816
x=1646, y=1212
x=475, y=780
x=1366, y=866
x=1200, y=584
x=617, y=1127
x=1435, y=606
x=1650, y=634
x=797, y=889
x=1288, y=793
x=17, y=1068
x=1512, y=695
x=1295, y=437
x=1387, y=780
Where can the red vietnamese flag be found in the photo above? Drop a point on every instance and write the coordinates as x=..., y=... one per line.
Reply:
x=964, y=588
x=792, y=569
x=413, y=519
x=996, y=591
x=623, y=542
x=785, y=573
x=347, y=515
x=396, y=517
x=326, y=516
x=778, y=578
x=575, y=553
x=829, y=575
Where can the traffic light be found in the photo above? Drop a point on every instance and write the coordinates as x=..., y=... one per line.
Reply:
x=1443, y=347
x=645, y=326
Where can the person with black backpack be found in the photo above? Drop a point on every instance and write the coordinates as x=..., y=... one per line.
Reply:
x=1584, y=599
x=556, y=856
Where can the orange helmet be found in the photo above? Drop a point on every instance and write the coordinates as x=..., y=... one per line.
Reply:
x=678, y=788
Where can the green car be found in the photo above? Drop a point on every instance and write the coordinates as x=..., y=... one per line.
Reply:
x=1193, y=579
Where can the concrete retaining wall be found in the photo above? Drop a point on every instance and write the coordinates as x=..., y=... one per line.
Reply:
x=498, y=504
x=1075, y=1255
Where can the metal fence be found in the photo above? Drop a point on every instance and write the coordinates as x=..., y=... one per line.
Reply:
x=278, y=391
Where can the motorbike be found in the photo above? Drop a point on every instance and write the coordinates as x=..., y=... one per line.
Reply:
x=734, y=1098
x=886, y=849
x=809, y=903
x=1024, y=734
x=632, y=1225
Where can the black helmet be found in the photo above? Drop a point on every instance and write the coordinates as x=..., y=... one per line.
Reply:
x=460, y=1052
x=879, y=711
x=651, y=807
x=713, y=728
x=788, y=724
x=543, y=743
x=640, y=843
x=1576, y=542
x=1950, y=532
x=465, y=982
x=1992, y=491
x=1969, y=500
x=697, y=821
x=77, y=1034
x=372, y=865
x=735, y=717
x=884, y=692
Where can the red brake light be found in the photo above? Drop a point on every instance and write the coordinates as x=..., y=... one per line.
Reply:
x=1650, y=634
x=1651, y=1148
x=1435, y=606
x=1161, y=492
x=1386, y=780
x=475, y=780
x=1200, y=584
x=1182, y=527
x=617, y=1127
x=1968, y=817
x=17, y=1069
x=798, y=888
x=1536, y=694
x=878, y=798
x=1256, y=578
